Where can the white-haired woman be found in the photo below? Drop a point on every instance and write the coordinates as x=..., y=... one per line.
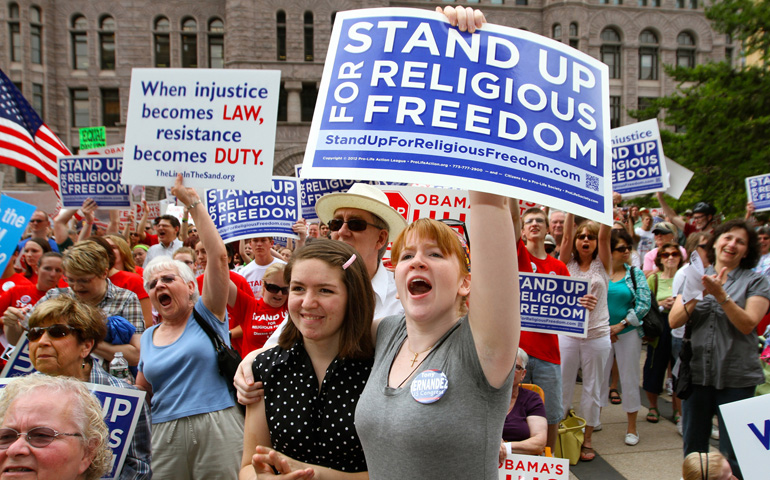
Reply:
x=197, y=430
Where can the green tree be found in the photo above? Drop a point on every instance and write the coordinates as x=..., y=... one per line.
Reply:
x=722, y=113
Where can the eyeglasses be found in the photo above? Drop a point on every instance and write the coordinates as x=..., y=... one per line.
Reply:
x=36, y=220
x=56, y=331
x=148, y=227
x=704, y=246
x=79, y=281
x=273, y=288
x=189, y=263
x=534, y=220
x=586, y=236
x=37, y=437
x=354, y=224
x=623, y=249
x=519, y=368
x=665, y=255
x=164, y=279
x=462, y=232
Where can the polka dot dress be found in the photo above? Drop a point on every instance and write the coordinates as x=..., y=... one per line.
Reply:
x=307, y=424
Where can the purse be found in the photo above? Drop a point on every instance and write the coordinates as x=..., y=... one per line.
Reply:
x=683, y=377
x=652, y=324
x=570, y=438
x=228, y=359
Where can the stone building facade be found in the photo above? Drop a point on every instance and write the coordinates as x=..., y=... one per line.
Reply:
x=73, y=59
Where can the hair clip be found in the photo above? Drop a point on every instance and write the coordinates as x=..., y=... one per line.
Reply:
x=349, y=262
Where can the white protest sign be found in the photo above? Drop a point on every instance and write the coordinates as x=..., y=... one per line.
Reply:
x=638, y=164
x=404, y=95
x=217, y=129
x=758, y=189
x=116, y=149
x=530, y=467
x=748, y=423
x=678, y=177
x=424, y=202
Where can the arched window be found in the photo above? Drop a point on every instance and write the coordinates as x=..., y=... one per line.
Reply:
x=685, y=51
x=574, y=42
x=648, y=55
x=308, y=36
x=610, y=51
x=162, y=40
x=189, y=43
x=556, y=31
x=36, y=35
x=280, y=32
x=14, y=27
x=216, y=43
x=107, y=42
x=79, y=37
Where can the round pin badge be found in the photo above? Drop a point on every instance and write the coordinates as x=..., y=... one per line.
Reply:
x=429, y=386
x=25, y=299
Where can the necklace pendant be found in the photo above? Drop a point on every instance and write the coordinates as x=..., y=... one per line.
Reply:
x=414, y=359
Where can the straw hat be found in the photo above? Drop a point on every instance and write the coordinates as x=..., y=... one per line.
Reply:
x=363, y=197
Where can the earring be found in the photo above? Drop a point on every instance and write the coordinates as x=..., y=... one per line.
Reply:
x=83, y=366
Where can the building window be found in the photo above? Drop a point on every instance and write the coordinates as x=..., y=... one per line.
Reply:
x=81, y=116
x=280, y=22
x=37, y=99
x=518, y=2
x=574, y=42
x=79, y=43
x=642, y=3
x=693, y=4
x=679, y=3
x=110, y=107
x=308, y=99
x=729, y=49
x=556, y=32
x=648, y=56
x=216, y=43
x=107, y=43
x=656, y=3
x=14, y=28
x=308, y=36
x=35, y=36
x=614, y=111
x=189, y=43
x=162, y=43
x=283, y=103
x=610, y=51
x=685, y=52
x=21, y=176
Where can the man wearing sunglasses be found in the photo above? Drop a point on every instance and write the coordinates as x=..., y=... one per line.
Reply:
x=39, y=227
x=262, y=253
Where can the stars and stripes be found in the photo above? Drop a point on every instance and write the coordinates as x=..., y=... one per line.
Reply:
x=25, y=141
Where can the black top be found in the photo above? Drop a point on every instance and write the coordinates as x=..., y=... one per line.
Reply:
x=306, y=424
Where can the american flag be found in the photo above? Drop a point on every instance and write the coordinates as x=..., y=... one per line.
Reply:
x=25, y=141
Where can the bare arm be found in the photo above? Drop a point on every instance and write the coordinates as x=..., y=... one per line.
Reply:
x=114, y=226
x=143, y=222
x=494, y=319
x=185, y=226
x=670, y=213
x=61, y=222
x=605, y=254
x=744, y=319
x=538, y=433
x=146, y=305
x=255, y=432
x=130, y=350
x=513, y=204
x=88, y=220
x=565, y=251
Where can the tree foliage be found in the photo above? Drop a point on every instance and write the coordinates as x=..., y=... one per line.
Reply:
x=722, y=112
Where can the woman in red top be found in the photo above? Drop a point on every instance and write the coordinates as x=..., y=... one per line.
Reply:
x=261, y=317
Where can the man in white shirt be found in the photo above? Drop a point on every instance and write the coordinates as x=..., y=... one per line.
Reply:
x=261, y=251
x=167, y=227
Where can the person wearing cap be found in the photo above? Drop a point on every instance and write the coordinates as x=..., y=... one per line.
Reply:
x=702, y=217
x=664, y=232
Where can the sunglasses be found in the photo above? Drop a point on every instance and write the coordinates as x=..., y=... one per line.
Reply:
x=586, y=236
x=461, y=229
x=623, y=249
x=36, y=220
x=164, y=279
x=273, y=288
x=354, y=224
x=672, y=254
x=56, y=331
x=37, y=437
x=704, y=246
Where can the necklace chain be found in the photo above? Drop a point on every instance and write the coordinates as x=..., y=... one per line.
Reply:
x=416, y=354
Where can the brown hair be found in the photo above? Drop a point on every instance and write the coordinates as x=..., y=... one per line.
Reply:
x=42, y=243
x=592, y=229
x=88, y=321
x=752, y=244
x=356, y=332
x=659, y=259
x=87, y=257
x=125, y=252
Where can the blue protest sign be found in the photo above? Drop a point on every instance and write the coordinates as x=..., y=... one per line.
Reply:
x=121, y=408
x=19, y=364
x=14, y=217
x=242, y=214
x=404, y=95
x=92, y=176
x=758, y=189
x=638, y=164
x=549, y=304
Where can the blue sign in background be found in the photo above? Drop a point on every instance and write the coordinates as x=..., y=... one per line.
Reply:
x=758, y=189
x=92, y=176
x=14, y=217
x=550, y=304
x=406, y=90
x=637, y=167
x=19, y=364
x=244, y=214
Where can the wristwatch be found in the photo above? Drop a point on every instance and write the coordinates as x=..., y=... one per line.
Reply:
x=624, y=322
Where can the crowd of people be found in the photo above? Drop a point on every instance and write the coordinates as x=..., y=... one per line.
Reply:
x=351, y=365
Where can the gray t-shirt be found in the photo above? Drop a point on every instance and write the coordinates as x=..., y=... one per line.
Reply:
x=458, y=436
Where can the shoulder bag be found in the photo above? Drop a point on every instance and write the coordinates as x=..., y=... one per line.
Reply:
x=652, y=324
x=228, y=359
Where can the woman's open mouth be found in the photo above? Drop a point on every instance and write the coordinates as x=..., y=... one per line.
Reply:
x=164, y=299
x=419, y=286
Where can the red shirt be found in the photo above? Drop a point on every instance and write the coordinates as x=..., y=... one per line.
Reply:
x=149, y=239
x=543, y=346
x=20, y=296
x=130, y=281
x=260, y=320
x=235, y=318
x=12, y=281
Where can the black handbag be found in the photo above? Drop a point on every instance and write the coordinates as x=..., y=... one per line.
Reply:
x=652, y=323
x=228, y=359
x=683, y=379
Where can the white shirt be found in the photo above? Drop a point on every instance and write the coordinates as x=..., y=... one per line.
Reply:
x=158, y=250
x=253, y=273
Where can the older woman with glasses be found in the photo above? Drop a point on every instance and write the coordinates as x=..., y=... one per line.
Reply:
x=61, y=421
x=62, y=334
x=197, y=429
